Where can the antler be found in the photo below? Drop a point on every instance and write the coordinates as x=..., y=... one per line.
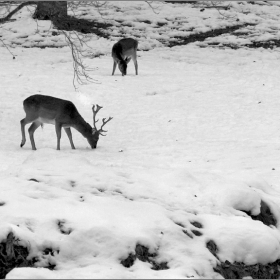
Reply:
x=94, y=114
x=104, y=121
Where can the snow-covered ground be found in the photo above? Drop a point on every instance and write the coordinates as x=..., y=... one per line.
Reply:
x=194, y=138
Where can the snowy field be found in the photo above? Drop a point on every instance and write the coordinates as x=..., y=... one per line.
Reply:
x=194, y=140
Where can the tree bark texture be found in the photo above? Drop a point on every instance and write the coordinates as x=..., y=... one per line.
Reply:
x=48, y=10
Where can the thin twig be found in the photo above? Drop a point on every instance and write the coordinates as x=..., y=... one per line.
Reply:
x=150, y=4
x=7, y=48
x=81, y=70
x=73, y=39
x=218, y=5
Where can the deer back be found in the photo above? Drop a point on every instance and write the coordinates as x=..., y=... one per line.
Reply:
x=124, y=48
x=48, y=109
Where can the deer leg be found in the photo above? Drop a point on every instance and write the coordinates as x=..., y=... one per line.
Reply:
x=31, y=131
x=135, y=64
x=23, y=123
x=58, y=127
x=114, y=67
x=23, y=140
x=69, y=134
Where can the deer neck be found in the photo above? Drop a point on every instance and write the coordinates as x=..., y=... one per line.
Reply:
x=83, y=127
x=118, y=55
x=120, y=59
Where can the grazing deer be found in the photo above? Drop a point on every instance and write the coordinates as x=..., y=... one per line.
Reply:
x=41, y=109
x=122, y=52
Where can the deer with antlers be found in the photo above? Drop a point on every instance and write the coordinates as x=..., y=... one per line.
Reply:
x=42, y=109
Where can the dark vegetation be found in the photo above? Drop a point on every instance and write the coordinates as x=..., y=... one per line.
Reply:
x=142, y=253
x=194, y=231
x=199, y=37
x=57, y=13
x=102, y=29
x=231, y=30
x=197, y=224
x=12, y=255
x=265, y=215
x=239, y=270
x=270, y=44
x=69, y=23
x=63, y=228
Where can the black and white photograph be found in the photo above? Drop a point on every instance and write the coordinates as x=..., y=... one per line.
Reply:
x=140, y=140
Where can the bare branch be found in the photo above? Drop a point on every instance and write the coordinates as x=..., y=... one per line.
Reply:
x=7, y=48
x=75, y=41
x=150, y=4
x=218, y=5
x=36, y=20
x=19, y=7
x=81, y=71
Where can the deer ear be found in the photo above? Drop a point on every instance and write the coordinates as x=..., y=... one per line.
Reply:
x=93, y=131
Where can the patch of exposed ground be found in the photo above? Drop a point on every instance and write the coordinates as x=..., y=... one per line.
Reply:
x=142, y=253
x=239, y=270
x=199, y=37
x=265, y=216
x=84, y=26
x=13, y=255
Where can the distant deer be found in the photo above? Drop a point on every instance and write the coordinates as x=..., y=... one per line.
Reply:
x=122, y=52
x=41, y=109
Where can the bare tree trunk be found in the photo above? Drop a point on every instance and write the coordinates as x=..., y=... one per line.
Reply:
x=48, y=10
